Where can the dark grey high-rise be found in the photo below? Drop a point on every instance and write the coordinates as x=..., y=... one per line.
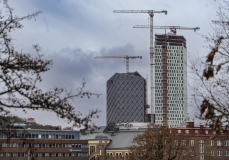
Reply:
x=126, y=98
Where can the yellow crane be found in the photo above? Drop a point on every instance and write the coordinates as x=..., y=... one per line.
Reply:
x=125, y=57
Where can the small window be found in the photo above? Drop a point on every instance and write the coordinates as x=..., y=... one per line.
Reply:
x=206, y=131
x=227, y=153
x=201, y=150
x=176, y=142
x=196, y=132
x=179, y=131
x=226, y=142
x=219, y=153
x=212, y=153
x=201, y=156
x=191, y=142
x=184, y=142
x=201, y=145
x=218, y=143
x=187, y=131
x=201, y=141
x=211, y=142
x=92, y=150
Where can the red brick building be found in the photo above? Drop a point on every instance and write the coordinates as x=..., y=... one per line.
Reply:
x=205, y=142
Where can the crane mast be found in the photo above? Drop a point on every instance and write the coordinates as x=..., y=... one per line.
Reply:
x=125, y=57
x=151, y=14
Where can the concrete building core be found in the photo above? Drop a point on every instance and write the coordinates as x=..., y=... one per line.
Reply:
x=170, y=80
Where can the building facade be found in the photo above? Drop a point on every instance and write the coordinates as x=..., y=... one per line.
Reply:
x=30, y=140
x=170, y=80
x=126, y=98
x=202, y=142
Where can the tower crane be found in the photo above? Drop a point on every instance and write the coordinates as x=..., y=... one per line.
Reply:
x=164, y=59
x=214, y=21
x=151, y=14
x=172, y=28
x=125, y=57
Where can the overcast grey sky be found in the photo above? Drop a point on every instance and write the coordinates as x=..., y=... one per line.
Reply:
x=72, y=32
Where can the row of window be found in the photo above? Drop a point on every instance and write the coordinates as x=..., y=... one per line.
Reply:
x=170, y=56
x=42, y=145
x=219, y=143
x=118, y=156
x=26, y=154
x=211, y=142
x=159, y=64
x=178, y=83
x=197, y=131
x=219, y=153
x=171, y=120
x=170, y=47
x=38, y=136
x=169, y=51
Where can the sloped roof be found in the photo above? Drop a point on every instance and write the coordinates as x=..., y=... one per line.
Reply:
x=123, y=140
x=96, y=136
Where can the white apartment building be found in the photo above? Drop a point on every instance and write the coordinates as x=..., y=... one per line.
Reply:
x=170, y=81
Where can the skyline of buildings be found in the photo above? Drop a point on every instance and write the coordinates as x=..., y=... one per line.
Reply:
x=169, y=88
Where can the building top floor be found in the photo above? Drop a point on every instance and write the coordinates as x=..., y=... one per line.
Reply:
x=200, y=130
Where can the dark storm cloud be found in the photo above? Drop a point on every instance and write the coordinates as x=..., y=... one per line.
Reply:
x=71, y=65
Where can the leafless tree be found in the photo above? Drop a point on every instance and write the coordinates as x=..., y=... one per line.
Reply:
x=211, y=85
x=20, y=74
x=160, y=143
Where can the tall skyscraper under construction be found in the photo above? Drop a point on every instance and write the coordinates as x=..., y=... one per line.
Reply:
x=126, y=98
x=170, y=79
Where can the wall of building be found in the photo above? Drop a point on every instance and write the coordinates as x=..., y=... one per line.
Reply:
x=205, y=141
x=21, y=144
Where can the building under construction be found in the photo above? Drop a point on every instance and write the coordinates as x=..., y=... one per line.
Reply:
x=170, y=79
